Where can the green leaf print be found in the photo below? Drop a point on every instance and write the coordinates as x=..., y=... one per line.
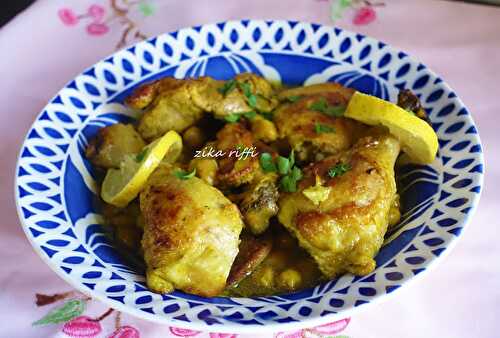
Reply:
x=345, y=3
x=338, y=7
x=146, y=8
x=69, y=310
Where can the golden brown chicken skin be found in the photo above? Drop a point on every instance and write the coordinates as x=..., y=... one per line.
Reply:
x=310, y=129
x=258, y=201
x=235, y=99
x=233, y=171
x=191, y=233
x=344, y=232
x=174, y=104
x=168, y=105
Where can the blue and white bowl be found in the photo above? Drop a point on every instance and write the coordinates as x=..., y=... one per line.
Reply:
x=56, y=188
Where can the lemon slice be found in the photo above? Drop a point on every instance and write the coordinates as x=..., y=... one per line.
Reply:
x=120, y=186
x=418, y=139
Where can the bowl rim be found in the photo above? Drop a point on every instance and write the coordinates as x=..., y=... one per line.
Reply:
x=249, y=328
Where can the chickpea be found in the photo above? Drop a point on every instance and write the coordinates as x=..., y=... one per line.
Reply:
x=394, y=216
x=264, y=130
x=194, y=137
x=266, y=277
x=206, y=169
x=290, y=279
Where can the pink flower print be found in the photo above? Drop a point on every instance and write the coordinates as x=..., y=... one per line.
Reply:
x=332, y=328
x=125, y=332
x=222, y=335
x=67, y=16
x=82, y=326
x=292, y=334
x=97, y=12
x=97, y=28
x=176, y=331
x=364, y=16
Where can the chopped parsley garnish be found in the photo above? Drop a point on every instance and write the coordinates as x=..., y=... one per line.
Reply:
x=291, y=157
x=320, y=128
x=250, y=115
x=247, y=91
x=283, y=165
x=296, y=173
x=335, y=111
x=339, y=170
x=267, y=164
x=322, y=106
x=183, y=175
x=294, y=98
x=288, y=184
x=252, y=100
x=245, y=87
x=290, y=174
x=232, y=118
x=139, y=157
x=227, y=87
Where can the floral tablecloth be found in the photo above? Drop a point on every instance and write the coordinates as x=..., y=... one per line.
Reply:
x=52, y=41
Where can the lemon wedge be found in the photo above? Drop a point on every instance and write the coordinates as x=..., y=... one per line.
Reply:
x=418, y=139
x=120, y=186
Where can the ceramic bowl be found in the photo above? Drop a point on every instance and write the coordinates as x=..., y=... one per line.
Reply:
x=56, y=189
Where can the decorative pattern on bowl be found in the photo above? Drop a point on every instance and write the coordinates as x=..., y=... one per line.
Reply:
x=56, y=191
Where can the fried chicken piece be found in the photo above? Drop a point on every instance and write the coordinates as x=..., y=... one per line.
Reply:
x=312, y=131
x=259, y=203
x=252, y=251
x=112, y=144
x=233, y=171
x=258, y=199
x=344, y=232
x=174, y=104
x=236, y=101
x=190, y=235
x=168, y=105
